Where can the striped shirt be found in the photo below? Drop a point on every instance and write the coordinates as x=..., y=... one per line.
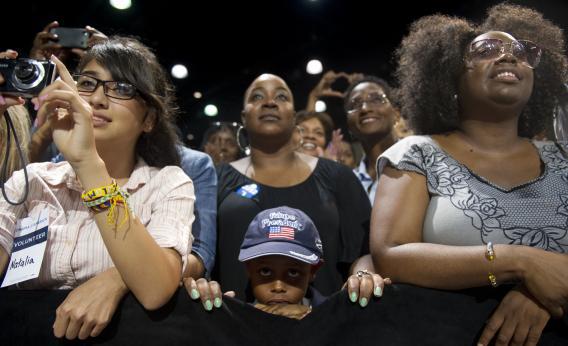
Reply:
x=163, y=200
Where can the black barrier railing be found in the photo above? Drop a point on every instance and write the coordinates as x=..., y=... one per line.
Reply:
x=406, y=315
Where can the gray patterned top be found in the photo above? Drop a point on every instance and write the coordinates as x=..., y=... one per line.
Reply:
x=467, y=209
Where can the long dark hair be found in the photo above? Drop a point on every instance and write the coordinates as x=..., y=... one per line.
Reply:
x=128, y=60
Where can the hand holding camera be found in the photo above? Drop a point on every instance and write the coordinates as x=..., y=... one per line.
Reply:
x=63, y=42
x=25, y=77
x=7, y=100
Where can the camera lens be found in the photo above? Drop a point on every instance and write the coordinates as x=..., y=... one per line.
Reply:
x=28, y=74
x=25, y=72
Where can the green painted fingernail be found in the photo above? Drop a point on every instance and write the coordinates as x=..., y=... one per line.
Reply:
x=378, y=291
x=208, y=305
x=363, y=302
x=217, y=302
x=353, y=297
x=194, y=294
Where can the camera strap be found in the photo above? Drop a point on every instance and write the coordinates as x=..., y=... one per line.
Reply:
x=4, y=172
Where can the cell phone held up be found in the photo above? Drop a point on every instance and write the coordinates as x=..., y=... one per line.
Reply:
x=71, y=37
x=26, y=77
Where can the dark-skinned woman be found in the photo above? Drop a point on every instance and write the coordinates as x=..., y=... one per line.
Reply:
x=275, y=174
x=474, y=201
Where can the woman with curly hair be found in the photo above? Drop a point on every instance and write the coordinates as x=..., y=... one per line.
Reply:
x=473, y=200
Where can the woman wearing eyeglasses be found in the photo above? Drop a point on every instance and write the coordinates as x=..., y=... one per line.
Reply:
x=275, y=174
x=119, y=214
x=474, y=201
x=372, y=119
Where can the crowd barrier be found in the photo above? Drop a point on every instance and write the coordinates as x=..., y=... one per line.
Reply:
x=406, y=315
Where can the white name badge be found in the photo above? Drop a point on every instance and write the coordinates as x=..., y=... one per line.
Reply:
x=30, y=240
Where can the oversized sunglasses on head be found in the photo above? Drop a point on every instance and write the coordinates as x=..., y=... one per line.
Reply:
x=114, y=89
x=526, y=52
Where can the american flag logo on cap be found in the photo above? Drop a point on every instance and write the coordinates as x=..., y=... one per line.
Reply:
x=282, y=232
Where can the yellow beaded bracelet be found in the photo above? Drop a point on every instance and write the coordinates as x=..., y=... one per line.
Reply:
x=99, y=192
x=106, y=198
x=490, y=256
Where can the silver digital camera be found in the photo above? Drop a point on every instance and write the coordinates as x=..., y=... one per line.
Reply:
x=26, y=77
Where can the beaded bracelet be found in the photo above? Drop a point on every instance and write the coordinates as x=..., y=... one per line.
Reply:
x=490, y=255
x=99, y=192
x=106, y=198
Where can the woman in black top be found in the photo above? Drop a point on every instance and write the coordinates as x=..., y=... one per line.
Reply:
x=275, y=175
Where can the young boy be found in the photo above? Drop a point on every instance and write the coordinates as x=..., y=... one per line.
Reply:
x=282, y=251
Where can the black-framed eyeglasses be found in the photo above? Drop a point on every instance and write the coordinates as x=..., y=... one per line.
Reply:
x=526, y=52
x=374, y=100
x=114, y=89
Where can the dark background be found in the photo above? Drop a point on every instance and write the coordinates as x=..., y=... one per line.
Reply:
x=226, y=44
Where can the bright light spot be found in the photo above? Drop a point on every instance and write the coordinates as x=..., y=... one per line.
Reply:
x=320, y=106
x=121, y=4
x=211, y=110
x=314, y=67
x=197, y=95
x=179, y=71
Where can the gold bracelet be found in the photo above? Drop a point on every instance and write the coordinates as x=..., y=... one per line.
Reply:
x=490, y=256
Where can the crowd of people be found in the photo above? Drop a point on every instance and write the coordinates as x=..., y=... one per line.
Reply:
x=453, y=176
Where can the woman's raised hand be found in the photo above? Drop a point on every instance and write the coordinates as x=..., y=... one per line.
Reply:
x=7, y=101
x=70, y=116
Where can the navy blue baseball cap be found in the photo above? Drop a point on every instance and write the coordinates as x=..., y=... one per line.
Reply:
x=282, y=231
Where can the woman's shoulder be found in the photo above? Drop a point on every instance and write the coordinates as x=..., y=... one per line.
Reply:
x=228, y=176
x=542, y=145
x=552, y=153
x=401, y=148
x=238, y=166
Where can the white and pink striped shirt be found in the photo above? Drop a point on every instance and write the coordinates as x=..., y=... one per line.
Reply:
x=163, y=200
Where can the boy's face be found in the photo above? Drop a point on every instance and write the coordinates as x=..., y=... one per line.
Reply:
x=279, y=279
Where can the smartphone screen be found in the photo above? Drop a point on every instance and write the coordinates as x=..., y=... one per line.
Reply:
x=71, y=37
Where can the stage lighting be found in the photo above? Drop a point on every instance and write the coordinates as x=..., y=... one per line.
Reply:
x=210, y=110
x=179, y=71
x=314, y=67
x=320, y=106
x=121, y=4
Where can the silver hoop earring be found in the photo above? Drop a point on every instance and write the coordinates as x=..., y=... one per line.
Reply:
x=244, y=149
